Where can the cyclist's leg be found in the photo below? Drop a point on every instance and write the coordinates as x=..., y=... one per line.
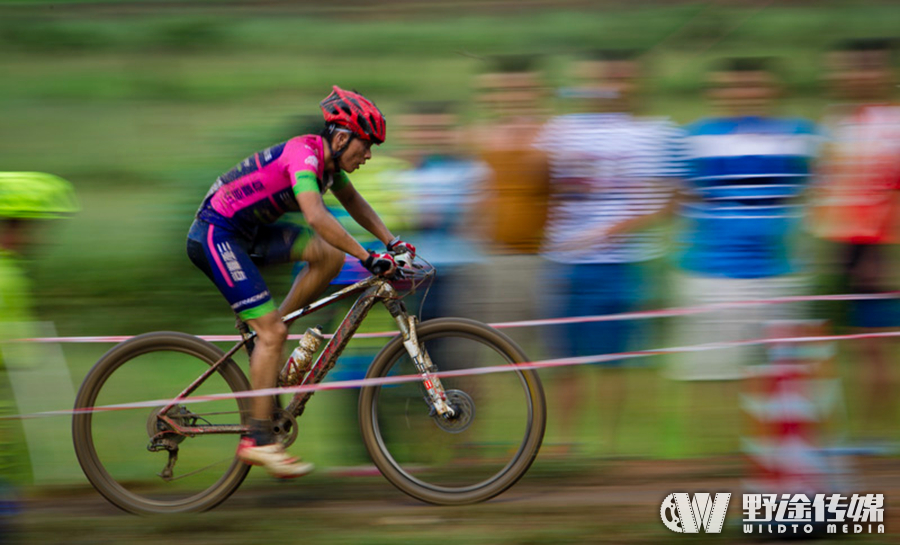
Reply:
x=261, y=448
x=325, y=262
x=287, y=242
x=222, y=255
x=265, y=361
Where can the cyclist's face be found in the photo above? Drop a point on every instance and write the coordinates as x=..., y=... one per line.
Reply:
x=17, y=235
x=356, y=155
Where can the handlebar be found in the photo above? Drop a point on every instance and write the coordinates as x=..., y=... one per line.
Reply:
x=413, y=269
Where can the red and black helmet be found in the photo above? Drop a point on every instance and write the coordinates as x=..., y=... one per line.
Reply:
x=354, y=112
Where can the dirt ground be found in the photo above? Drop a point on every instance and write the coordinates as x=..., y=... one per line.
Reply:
x=559, y=501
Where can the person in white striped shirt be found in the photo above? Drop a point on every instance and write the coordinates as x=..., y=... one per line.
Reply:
x=611, y=181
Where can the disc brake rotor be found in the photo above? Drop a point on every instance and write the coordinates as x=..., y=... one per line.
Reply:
x=464, y=407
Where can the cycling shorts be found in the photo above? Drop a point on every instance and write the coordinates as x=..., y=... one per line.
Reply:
x=232, y=261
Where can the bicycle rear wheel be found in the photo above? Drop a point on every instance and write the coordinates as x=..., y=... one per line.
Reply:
x=113, y=447
x=470, y=459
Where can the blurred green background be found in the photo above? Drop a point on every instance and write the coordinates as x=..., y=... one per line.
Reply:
x=142, y=104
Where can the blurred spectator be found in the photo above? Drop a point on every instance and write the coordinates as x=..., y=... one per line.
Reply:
x=439, y=194
x=608, y=192
x=858, y=211
x=512, y=205
x=740, y=216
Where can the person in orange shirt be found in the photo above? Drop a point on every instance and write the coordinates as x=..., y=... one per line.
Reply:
x=512, y=207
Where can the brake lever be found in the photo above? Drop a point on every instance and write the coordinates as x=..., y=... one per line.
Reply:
x=406, y=265
x=402, y=259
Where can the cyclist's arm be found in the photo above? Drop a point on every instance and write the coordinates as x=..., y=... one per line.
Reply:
x=361, y=211
x=326, y=226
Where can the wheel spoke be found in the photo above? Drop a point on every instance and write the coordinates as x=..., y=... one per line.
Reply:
x=202, y=469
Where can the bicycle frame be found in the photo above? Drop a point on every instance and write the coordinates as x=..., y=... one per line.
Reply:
x=371, y=290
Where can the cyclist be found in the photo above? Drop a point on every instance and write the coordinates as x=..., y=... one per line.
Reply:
x=235, y=230
x=29, y=380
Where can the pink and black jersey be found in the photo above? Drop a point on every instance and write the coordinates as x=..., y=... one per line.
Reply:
x=264, y=186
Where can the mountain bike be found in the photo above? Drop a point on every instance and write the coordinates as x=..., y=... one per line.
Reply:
x=446, y=440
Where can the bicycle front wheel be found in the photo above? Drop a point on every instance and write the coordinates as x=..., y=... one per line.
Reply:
x=495, y=437
x=135, y=459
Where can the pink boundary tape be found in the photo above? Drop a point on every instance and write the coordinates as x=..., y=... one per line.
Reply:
x=562, y=362
x=642, y=315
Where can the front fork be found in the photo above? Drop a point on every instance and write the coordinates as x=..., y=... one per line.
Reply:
x=437, y=397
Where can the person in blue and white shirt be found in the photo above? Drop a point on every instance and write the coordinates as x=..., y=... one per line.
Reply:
x=740, y=216
x=440, y=193
x=611, y=184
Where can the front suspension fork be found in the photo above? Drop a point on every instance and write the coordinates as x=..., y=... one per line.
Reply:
x=437, y=397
